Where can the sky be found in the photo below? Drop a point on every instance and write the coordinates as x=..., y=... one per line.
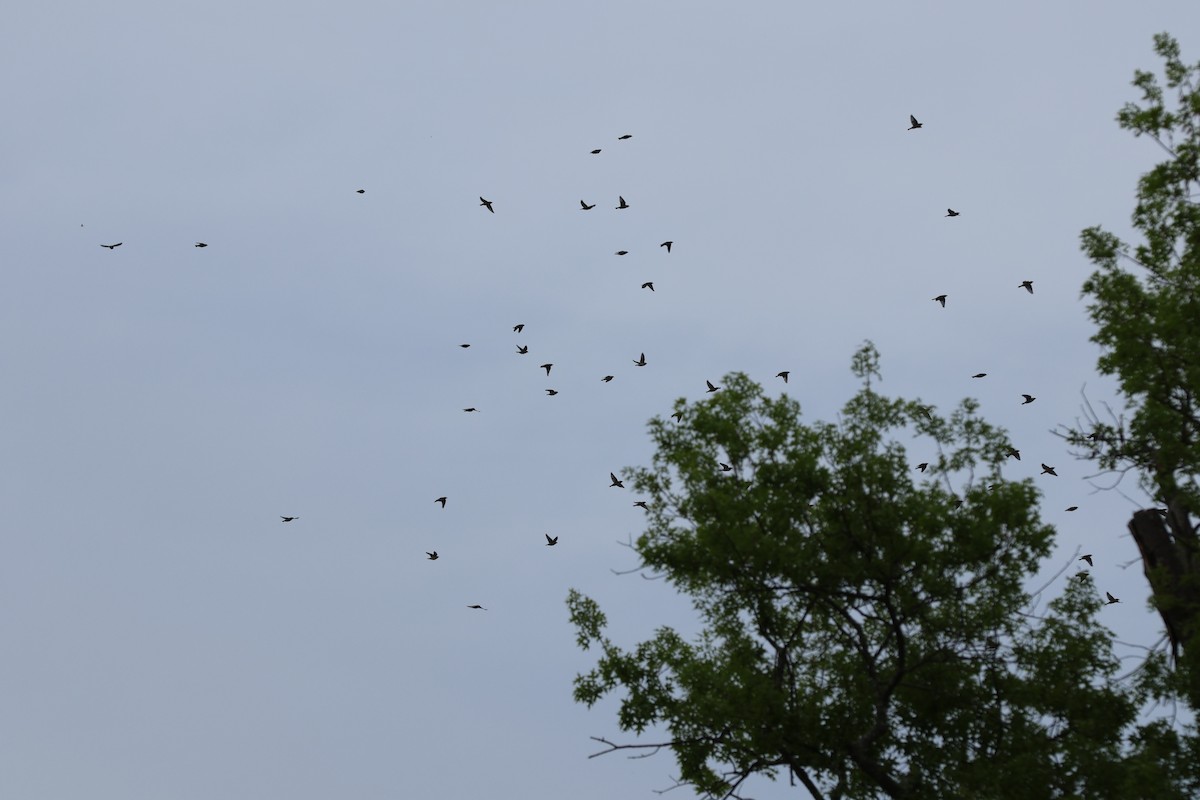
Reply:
x=166, y=635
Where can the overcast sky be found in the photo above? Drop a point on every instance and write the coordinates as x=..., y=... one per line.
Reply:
x=165, y=635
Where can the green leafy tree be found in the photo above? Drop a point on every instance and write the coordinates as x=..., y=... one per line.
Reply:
x=865, y=630
x=1148, y=325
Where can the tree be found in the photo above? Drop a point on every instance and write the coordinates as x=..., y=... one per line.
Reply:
x=1148, y=326
x=864, y=630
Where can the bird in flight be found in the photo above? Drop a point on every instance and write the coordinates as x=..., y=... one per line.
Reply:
x=364, y=191
x=585, y=206
x=641, y=504
x=617, y=482
x=622, y=202
x=1048, y=471
x=596, y=152
x=626, y=136
x=200, y=244
x=1028, y=399
x=1086, y=557
x=950, y=212
x=979, y=375
x=923, y=466
x=1014, y=453
x=667, y=245
x=464, y=346
x=441, y=500
x=914, y=122
x=546, y=367
x=678, y=415
x=641, y=362
x=472, y=408
x=550, y=540
x=725, y=467
x=432, y=556
x=783, y=375
x=622, y=252
x=552, y=392
x=711, y=388
x=1027, y=286
x=1111, y=599
x=518, y=328
x=522, y=350
x=1072, y=508
x=288, y=519
x=648, y=285
x=487, y=204
x=941, y=298
x=481, y=608
x=112, y=246
x=606, y=378
x=1082, y=575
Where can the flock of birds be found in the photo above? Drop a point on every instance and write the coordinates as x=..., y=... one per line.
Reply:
x=640, y=361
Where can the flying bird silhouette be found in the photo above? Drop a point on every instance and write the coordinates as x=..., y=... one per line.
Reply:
x=441, y=500
x=112, y=246
x=783, y=375
x=1027, y=286
x=641, y=504
x=518, y=328
x=979, y=375
x=617, y=482
x=941, y=298
x=914, y=122
x=522, y=350
x=1082, y=575
x=585, y=206
x=623, y=204
x=648, y=285
x=1028, y=399
x=1072, y=508
x=596, y=152
x=288, y=519
x=1014, y=453
x=622, y=252
x=1048, y=471
x=678, y=415
x=550, y=541
x=923, y=466
x=711, y=388
x=552, y=392
x=481, y=608
x=667, y=245
x=464, y=346
x=641, y=362
x=1111, y=599
x=950, y=212
x=606, y=378
x=432, y=556
x=200, y=244
x=487, y=204
x=626, y=136
x=1086, y=557
x=725, y=467
x=546, y=367
x=472, y=408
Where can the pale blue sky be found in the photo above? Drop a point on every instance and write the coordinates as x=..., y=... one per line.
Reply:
x=166, y=636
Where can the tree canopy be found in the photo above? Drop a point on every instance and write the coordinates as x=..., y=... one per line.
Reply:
x=1148, y=326
x=866, y=630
